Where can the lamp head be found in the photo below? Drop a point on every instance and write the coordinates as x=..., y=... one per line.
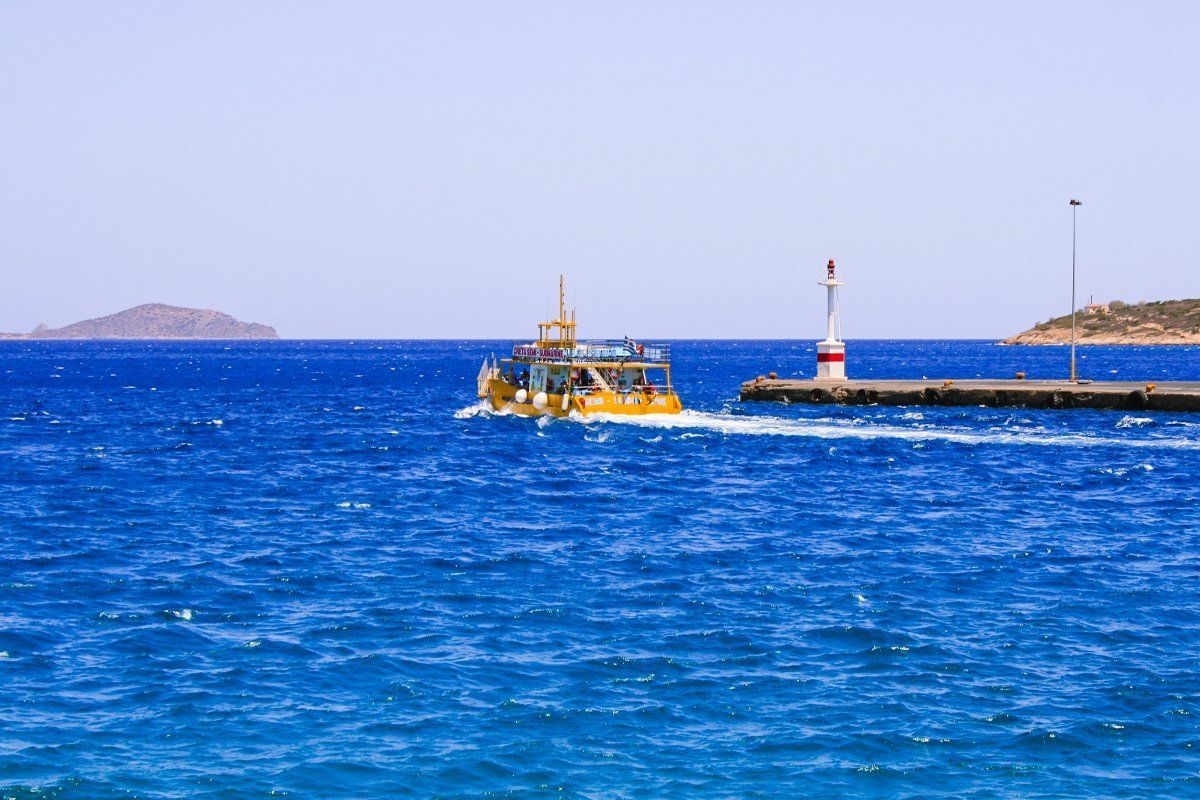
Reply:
x=1076, y=203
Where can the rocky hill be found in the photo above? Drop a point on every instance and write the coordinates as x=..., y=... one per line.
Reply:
x=1160, y=322
x=155, y=321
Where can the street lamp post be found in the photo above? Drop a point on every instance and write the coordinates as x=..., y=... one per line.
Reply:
x=1074, y=204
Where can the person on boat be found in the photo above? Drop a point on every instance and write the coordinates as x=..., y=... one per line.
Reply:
x=524, y=381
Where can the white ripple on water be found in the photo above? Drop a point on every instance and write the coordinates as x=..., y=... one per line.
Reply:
x=1122, y=471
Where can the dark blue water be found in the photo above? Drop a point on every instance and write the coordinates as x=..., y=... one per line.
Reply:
x=314, y=570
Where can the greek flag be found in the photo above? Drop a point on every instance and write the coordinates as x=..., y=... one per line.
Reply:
x=631, y=346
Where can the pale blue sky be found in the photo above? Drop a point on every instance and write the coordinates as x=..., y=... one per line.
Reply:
x=426, y=170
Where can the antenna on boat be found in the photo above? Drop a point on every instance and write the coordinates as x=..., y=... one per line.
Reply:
x=561, y=314
x=563, y=328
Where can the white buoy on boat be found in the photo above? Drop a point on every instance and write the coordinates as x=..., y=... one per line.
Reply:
x=566, y=401
x=540, y=400
x=521, y=395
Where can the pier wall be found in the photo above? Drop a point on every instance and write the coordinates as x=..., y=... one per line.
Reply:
x=1122, y=396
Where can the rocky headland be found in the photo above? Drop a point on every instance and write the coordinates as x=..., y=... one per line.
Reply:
x=155, y=321
x=1159, y=322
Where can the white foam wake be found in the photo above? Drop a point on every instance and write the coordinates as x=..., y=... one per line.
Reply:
x=695, y=423
x=736, y=425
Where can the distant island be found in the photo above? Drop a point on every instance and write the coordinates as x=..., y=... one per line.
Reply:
x=1160, y=322
x=155, y=321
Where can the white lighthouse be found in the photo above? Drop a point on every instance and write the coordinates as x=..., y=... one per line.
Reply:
x=831, y=353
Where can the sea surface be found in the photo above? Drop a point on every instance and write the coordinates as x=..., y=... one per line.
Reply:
x=320, y=569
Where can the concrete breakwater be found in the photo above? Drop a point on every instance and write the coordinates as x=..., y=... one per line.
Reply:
x=1126, y=396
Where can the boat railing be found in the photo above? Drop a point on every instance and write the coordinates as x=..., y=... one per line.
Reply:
x=618, y=350
x=623, y=350
x=603, y=352
x=586, y=390
x=589, y=389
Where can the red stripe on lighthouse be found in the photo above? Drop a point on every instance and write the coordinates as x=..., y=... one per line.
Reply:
x=823, y=357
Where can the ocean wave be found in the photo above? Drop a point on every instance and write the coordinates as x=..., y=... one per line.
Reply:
x=481, y=409
x=713, y=573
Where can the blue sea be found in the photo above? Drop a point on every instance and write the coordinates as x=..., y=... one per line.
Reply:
x=320, y=569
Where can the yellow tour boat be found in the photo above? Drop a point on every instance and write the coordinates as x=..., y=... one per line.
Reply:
x=558, y=374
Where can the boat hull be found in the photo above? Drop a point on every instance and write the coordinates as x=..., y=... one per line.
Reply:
x=502, y=396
